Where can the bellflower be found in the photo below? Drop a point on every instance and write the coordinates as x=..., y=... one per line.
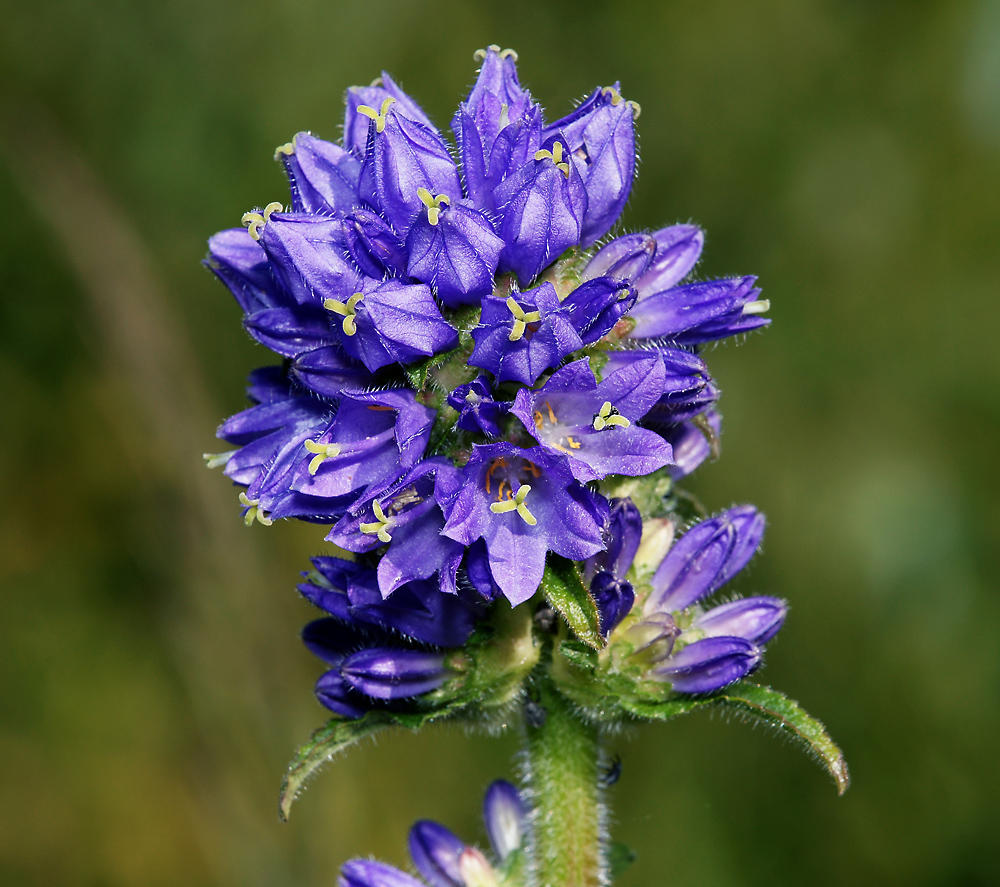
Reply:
x=463, y=367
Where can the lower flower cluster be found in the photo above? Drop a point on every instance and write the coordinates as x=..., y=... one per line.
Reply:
x=444, y=860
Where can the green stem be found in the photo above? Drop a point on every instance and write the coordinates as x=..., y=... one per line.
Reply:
x=563, y=765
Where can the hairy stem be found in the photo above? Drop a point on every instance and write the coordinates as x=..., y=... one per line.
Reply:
x=562, y=754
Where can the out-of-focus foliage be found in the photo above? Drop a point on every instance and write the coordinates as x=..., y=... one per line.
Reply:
x=152, y=684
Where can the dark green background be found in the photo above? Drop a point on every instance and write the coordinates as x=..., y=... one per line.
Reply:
x=152, y=683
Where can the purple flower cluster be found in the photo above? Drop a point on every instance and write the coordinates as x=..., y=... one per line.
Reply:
x=443, y=859
x=459, y=368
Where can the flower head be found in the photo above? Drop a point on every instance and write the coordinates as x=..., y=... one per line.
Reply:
x=461, y=364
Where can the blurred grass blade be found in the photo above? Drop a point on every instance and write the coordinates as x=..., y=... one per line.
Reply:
x=565, y=591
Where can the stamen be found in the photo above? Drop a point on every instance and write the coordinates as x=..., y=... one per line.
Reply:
x=575, y=444
x=533, y=468
x=616, y=96
x=758, y=307
x=494, y=465
x=521, y=319
x=433, y=204
x=556, y=156
x=503, y=484
x=539, y=419
x=214, y=460
x=608, y=417
x=377, y=116
x=254, y=511
x=254, y=222
x=323, y=452
x=516, y=504
x=480, y=54
x=380, y=526
x=552, y=416
x=349, y=311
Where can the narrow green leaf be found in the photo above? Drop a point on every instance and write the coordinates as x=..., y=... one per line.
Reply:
x=767, y=706
x=762, y=704
x=564, y=590
x=336, y=736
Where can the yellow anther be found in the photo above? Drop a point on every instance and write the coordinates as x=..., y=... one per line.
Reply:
x=556, y=156
x=480, y=54
x=285, y=150
x=215, y=460
x=616, y=96
x=433, y=204
x=552, y=416
x=516, y=504
x=348, y=311
x=254, y=511
x=759, y=307
x=521, y=319
x=616, y=99
x=380, y=526
x=575, y=445
x=538, y=419
x=254, y=222
x=323, y=451
x=608, y=417
x=377, y=116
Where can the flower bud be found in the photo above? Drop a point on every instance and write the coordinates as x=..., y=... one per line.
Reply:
x=678, y=249
x=708, y=664
x=657, y=537
x=624, y=258
x=504, y=814
x=755, y=618
x=436, y=851
x=369, y=873
x=385, y=673
x=596, y=306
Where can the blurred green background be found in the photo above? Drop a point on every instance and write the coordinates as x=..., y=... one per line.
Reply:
x=152, y=686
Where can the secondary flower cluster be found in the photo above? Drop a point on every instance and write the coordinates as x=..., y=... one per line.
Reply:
x=461, y=369
x=445, y=860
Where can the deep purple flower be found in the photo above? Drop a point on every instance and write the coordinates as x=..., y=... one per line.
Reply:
x=322, y=176
x=601, y=139
x=520, y=337
x=241, y=264
x=390, y=321
x=596, y=306
x=407, y=518
x=541, y=209
x=350, y=592
x=358, y=122
x=523, y=503
x=454, y=249
x=700, y=312
x=478, y=411
x=593, y=424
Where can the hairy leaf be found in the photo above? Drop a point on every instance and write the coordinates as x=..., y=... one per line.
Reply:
x=564, y=589
x=762, y=704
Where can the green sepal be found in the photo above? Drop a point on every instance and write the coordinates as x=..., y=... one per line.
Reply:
x=578, y=654
x=619, y=857
x=754, y=702
x=563, y=588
